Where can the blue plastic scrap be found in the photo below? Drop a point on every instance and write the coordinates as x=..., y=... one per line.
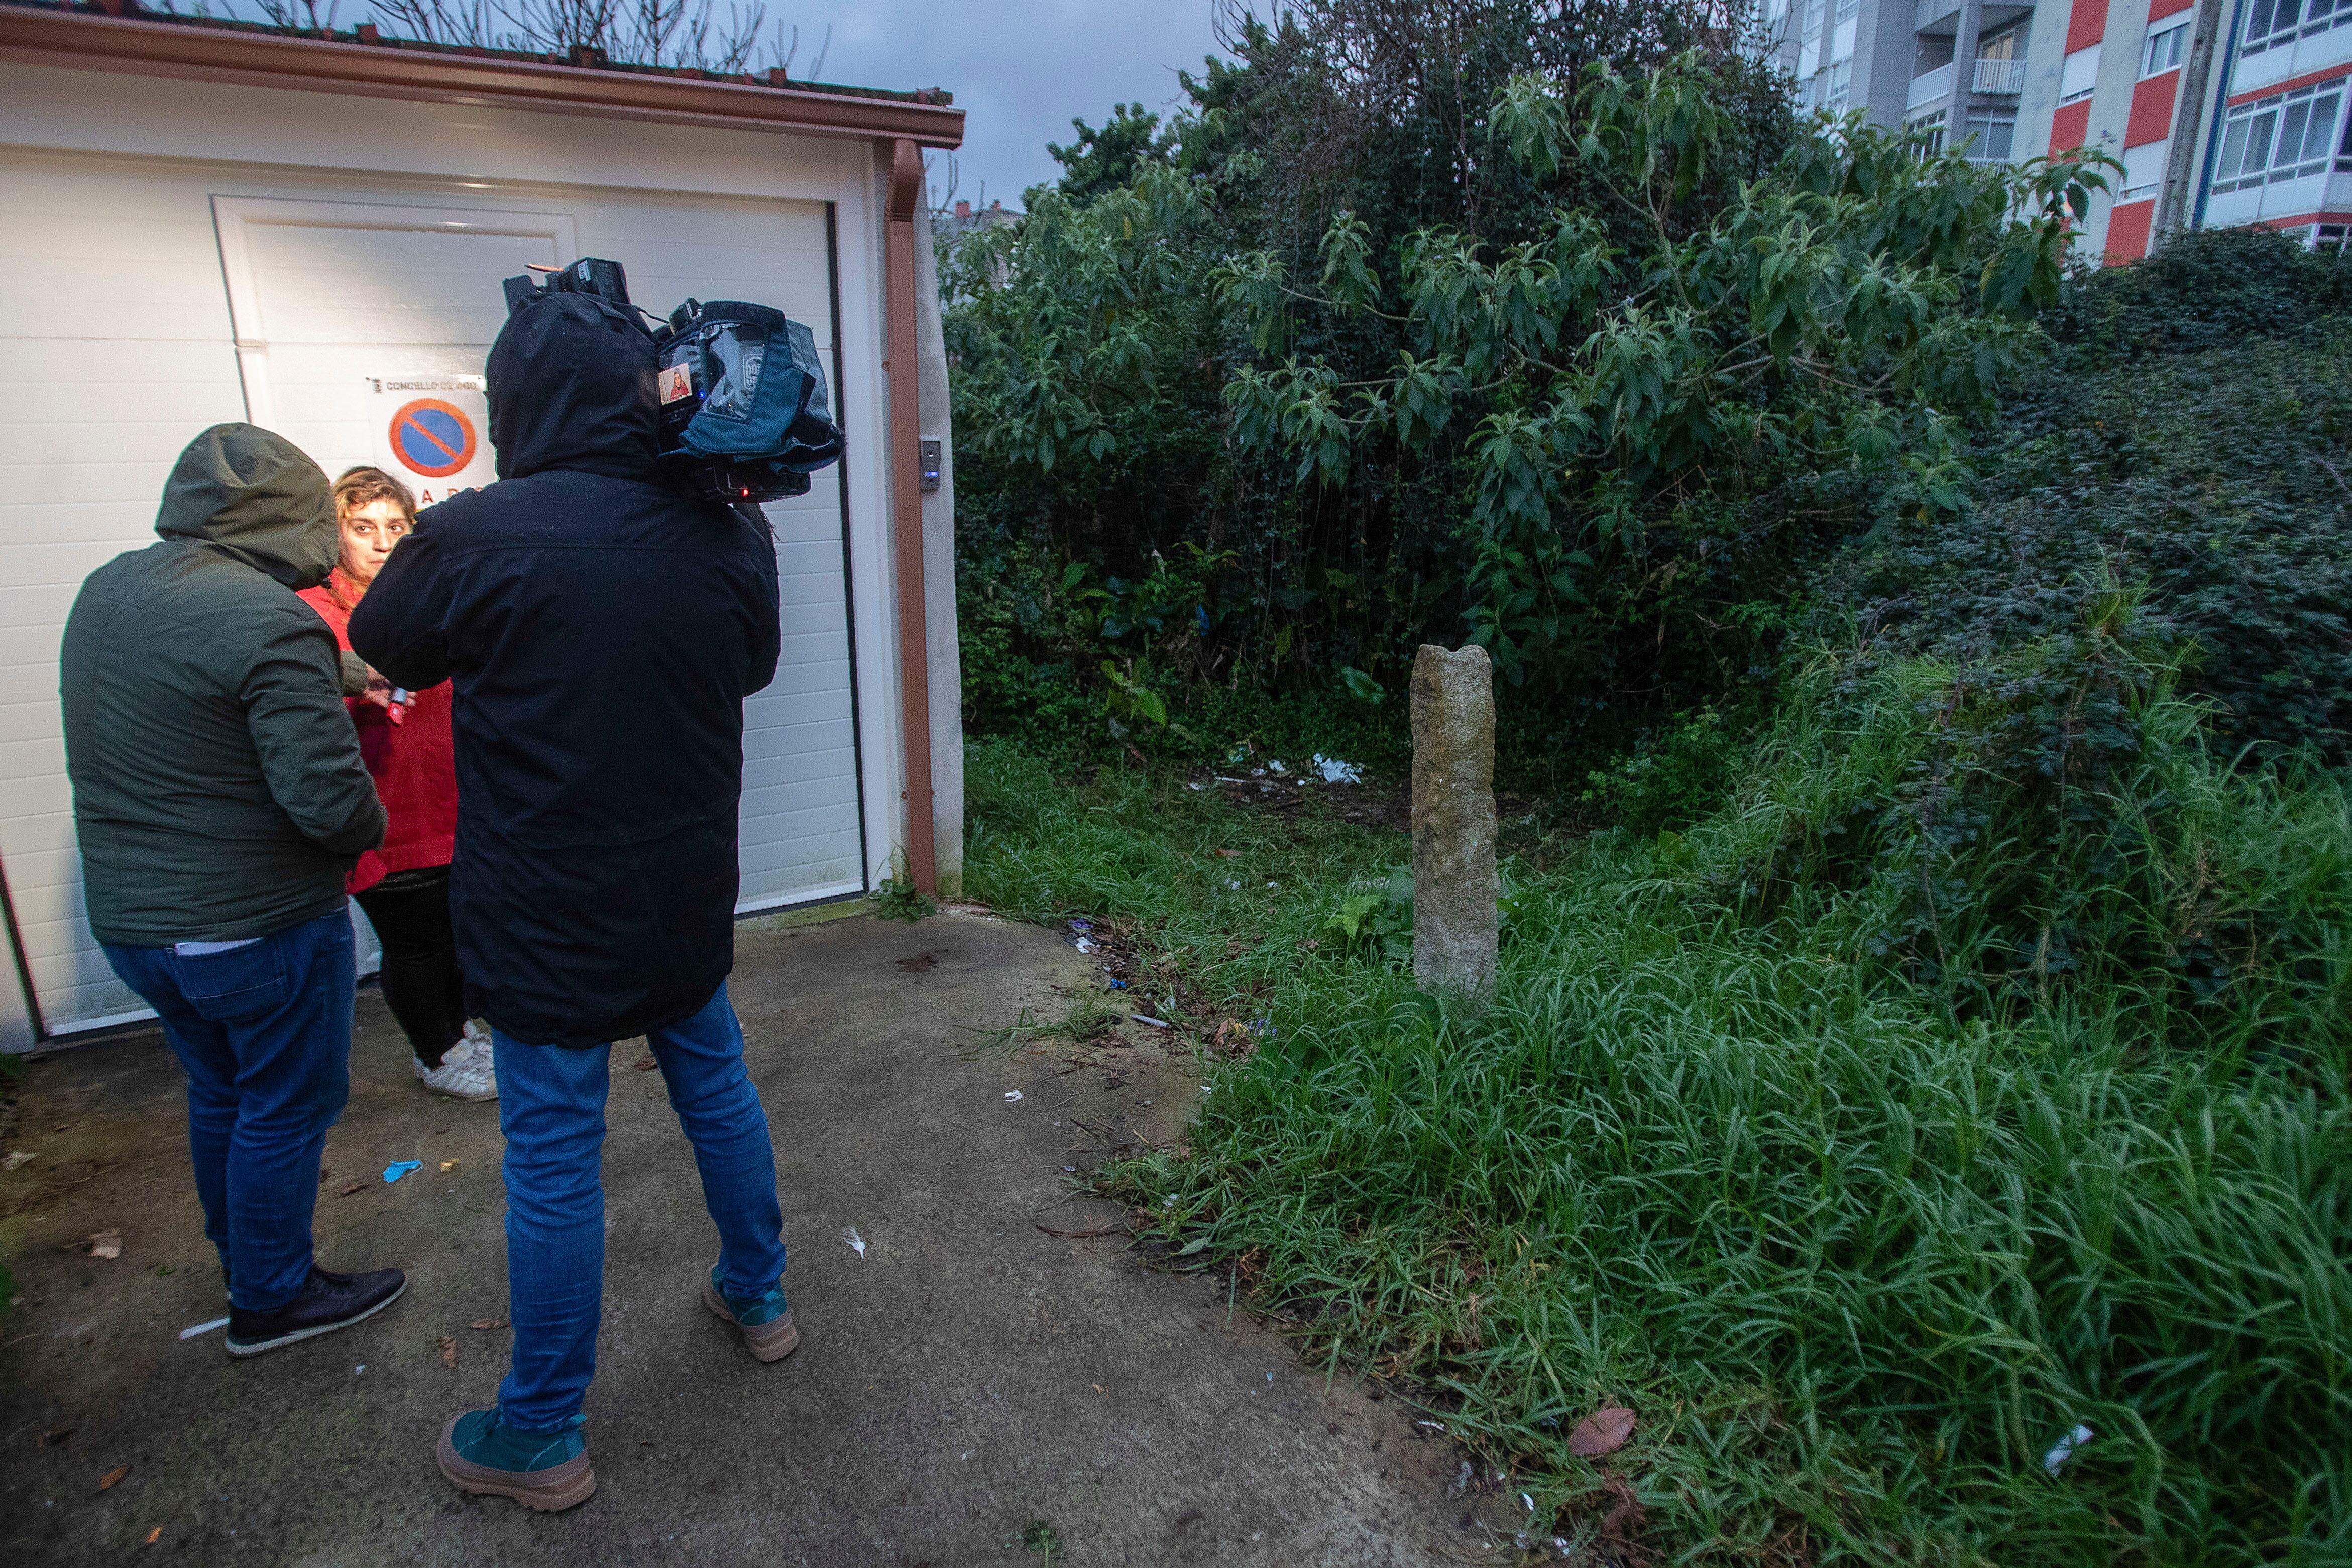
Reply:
x=400, y=1168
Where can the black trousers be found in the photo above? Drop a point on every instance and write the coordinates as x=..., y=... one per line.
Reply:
x=421, y=981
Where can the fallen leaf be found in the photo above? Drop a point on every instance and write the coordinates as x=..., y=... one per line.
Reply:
x=16, y=1158
x=449, y=1352
x=355, y=1186
x=154, y=1535
x=1229, y=854
x=449, y=1164
x=1601, y=1432
x=112, y=1476
x=54, y=1438
x=921, y=963
x=647, y=1063
x=483, y=1325
x=106, y=1244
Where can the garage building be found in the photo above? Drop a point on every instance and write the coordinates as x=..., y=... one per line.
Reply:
x=210, y=221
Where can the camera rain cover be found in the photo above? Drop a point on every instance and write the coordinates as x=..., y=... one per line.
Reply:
x=744, y=415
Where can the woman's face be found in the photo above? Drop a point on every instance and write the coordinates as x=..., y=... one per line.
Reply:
x=369, y=534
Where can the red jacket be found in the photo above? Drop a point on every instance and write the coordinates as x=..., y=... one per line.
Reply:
x=413, y=762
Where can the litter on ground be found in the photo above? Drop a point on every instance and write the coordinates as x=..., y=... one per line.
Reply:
x=1333, y=770
x=106, y=1244
x=2063, y=1450
x=400, y=1168
x=857, y=1242
x=1010, y=1095
x=192, y=1329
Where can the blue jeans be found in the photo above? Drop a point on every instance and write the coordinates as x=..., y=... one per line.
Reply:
x=264, y=1032
x=552, y=1109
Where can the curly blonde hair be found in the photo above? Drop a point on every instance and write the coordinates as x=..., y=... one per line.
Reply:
x=356, y=488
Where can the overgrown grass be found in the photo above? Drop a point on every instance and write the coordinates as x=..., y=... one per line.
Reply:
x=1857, y=1213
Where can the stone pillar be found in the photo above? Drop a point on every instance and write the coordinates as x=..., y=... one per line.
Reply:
x=1454, y=884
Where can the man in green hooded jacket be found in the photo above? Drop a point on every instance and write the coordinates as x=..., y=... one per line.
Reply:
x=219, y=799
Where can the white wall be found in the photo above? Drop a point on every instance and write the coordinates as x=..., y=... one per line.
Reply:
x=116, y=347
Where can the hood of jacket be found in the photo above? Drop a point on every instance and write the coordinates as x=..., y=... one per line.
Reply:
x=571, y=386
x=258, y=497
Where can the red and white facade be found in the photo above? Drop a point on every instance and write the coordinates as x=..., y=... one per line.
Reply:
x=2283, y=149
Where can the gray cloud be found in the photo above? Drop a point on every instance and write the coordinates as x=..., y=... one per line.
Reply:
x=1019, y=68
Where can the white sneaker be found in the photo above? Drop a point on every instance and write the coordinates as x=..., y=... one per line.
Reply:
x=465, y=1073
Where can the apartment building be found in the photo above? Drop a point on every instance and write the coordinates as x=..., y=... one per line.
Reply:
x=2220, y=111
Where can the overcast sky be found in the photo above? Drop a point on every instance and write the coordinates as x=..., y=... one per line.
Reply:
x=1019, y=68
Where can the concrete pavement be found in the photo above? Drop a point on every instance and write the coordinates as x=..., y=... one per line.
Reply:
x=967, y=1376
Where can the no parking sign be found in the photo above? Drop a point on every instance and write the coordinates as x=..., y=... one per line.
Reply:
x=432, y=432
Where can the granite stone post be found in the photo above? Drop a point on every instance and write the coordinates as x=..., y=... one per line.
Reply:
x=1453, y=883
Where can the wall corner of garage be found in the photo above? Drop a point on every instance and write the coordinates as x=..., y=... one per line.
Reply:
x=942, y=650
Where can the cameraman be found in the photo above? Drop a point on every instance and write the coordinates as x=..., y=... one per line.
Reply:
x=601, y=634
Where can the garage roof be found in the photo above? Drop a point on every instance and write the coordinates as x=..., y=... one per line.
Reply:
x=120, y=36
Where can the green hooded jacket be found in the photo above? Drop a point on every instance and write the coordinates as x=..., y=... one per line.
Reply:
x=217, y=787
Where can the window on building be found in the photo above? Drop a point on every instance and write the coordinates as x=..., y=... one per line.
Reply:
x=1992, y=133
x=2271, y=23
x=2079, y=75
x=2143, y=172
x=1812, y=27
x=1930, y=127
x=2328, y=236
x=2283, y=137
x=1838, y=87
x=1847, y=10
x=2164, y=50
x=2002, y=47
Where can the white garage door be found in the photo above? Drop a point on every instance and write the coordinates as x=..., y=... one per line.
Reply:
x=330, y=299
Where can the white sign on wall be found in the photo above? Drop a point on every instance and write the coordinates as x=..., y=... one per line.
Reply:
x=432, y=433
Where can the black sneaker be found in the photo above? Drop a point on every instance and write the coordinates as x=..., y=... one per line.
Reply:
x=328, y=1301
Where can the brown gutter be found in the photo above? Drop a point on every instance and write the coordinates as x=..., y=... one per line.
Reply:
x=77, y=39
x=907, y=516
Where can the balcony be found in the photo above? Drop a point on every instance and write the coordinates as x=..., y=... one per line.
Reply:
x=2005, y=76
x=1933, y=88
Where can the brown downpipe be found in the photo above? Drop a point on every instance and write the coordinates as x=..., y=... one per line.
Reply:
x=907, y=515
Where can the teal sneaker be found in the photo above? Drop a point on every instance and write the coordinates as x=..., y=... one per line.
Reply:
x=547, y=1471
x=765, y=1322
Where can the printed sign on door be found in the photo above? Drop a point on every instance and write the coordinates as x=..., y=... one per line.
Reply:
x=432, y=433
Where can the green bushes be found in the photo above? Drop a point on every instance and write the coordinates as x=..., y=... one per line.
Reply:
x=2213, y=479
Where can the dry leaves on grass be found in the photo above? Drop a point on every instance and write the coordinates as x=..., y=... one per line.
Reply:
x=1603, y=1433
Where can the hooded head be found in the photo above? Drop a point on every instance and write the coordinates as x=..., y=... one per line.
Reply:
x=257, y=496
x=571, y=386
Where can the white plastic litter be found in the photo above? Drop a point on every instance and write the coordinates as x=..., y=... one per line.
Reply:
x=1148, y=1018
x=857, y=1242
x=2063, y=1450
x=1234, y=885
x=192, y=1329
x=1333, y=770
x=1010, y=1095
x=1274, y=767
x=1084, y=944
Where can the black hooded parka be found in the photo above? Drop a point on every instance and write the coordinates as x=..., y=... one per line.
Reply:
x=601, y=634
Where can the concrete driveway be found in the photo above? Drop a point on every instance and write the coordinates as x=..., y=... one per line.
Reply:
x=966, y=1376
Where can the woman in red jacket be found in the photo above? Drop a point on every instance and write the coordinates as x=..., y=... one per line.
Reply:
x=404, y=740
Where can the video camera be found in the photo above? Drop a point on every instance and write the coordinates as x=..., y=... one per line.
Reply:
x=744, y=415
